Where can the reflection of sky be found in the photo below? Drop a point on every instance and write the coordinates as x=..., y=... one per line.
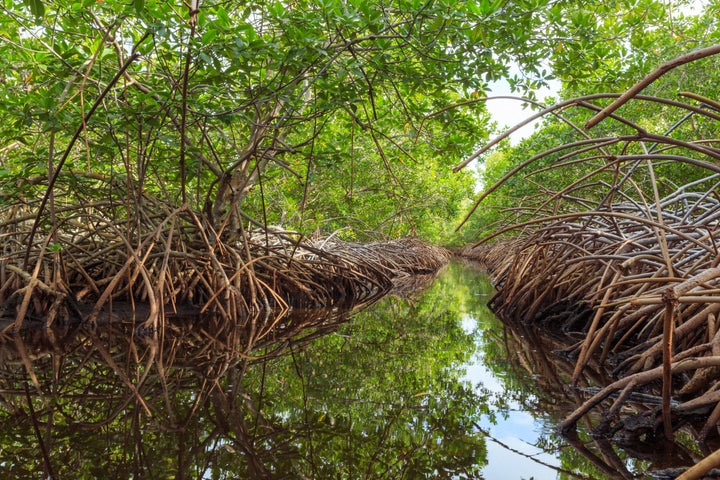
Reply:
x=518, y=430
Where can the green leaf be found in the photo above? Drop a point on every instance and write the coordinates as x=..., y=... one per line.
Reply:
x=36, y=7
x=206, y=58
x=223, y=19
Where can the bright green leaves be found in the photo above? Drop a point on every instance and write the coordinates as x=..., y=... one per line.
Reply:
x=607, y=48
x=277, y=9
x=223, y=20
x=348, y=87
x=36, y=7
x=487, y=7
x=80, y=5
x=608, y=45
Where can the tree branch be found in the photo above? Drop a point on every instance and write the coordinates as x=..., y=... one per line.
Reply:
x=654, y=75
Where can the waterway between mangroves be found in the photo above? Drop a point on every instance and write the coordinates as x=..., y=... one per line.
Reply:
x=422, y=384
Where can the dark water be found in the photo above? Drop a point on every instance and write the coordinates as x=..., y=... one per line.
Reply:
x=427, y=384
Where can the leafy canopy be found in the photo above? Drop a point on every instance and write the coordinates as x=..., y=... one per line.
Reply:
x=321, y=115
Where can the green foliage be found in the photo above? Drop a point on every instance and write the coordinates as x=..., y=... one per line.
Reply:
x=612, y=47
x=322, y=116
x=284, y=95
x=607, y=47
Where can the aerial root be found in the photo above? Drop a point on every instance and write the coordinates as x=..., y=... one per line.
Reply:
x=622, y=253
x=162, y=260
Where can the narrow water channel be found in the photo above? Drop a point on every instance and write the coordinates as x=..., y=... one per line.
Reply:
x=423, y=384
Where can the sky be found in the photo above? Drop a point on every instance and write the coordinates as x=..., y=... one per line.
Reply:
x=507, y=113
x=512, y=453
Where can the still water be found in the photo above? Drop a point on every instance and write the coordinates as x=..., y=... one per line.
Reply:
x=422, y=384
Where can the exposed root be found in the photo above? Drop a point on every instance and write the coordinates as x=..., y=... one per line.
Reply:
x=92, y=260
x=624, y=258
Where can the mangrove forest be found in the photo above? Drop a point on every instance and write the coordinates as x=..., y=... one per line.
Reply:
x=291, y=239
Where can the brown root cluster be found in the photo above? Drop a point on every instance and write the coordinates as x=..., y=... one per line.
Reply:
x=623, y=257
x=100, y=253
x=120, y=383
x=180, y=394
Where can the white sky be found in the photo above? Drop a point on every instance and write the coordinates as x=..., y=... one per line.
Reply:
x=507, y=113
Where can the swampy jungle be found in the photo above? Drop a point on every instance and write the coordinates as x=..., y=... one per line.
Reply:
x=293, y=239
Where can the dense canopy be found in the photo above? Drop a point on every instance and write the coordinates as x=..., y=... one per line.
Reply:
x=320, y=116
x=217, y=161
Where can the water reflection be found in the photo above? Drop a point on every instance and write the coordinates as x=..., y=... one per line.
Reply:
x=377, y=397
x=528, y=374
x=424, y=384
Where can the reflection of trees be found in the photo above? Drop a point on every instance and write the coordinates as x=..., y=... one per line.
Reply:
x=537, y=372
x=117, y=402
x=378, y=397
x=381, y=398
